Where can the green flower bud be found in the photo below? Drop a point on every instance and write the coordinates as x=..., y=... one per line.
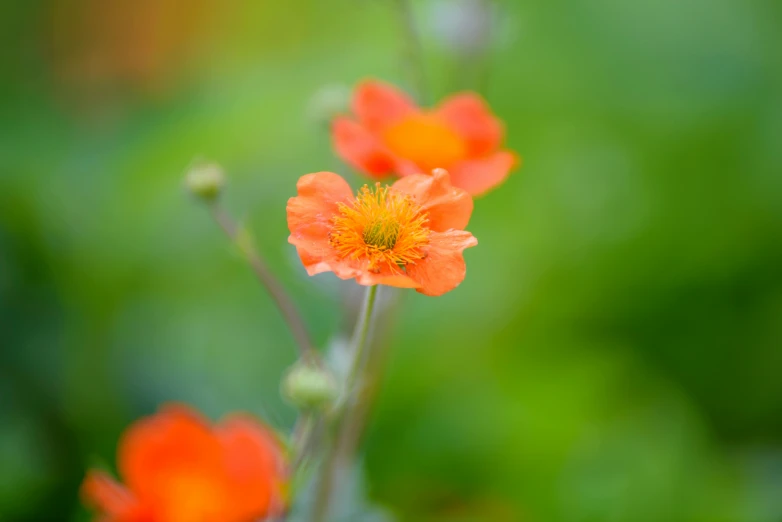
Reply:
x=205, y=181
x=328, y=102
x=309, y=387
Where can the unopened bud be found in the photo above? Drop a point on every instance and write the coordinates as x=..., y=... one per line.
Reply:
x=205, y=181
x=309, y=387
x=463, y=27
x=327, y=102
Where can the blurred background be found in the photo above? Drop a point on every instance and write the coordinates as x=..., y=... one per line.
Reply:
x=615, y=352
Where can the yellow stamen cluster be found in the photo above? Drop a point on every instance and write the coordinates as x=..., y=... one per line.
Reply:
x=382, y=227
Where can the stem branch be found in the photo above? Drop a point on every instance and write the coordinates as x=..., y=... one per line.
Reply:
x=356, y=419
x=345, y=425
x=267, y=279
x=302, y=437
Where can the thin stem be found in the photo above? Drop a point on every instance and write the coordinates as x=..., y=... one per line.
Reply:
x=359, y=343
x=356, y=418
x=413, y=50
x=328, y=478
x=302, y=436
x=267, y=279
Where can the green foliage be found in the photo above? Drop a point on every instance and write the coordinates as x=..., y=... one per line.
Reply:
x=613, y=355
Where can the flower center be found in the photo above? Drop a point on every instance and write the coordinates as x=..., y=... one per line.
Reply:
x=382, y=228
x=191, y=497
x=382, y=233
x=425, y=140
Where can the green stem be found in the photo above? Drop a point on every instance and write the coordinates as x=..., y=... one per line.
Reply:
x=413, y=50
x=276, y=291
x=328, y=479
x=377, y=347
x=300, y=441
x=359, y=344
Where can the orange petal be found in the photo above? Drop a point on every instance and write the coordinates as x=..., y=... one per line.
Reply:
x=174, y=442
x=255, y=466
x=448, y=206
x=355, y=269
x=471, y=117
x=360, y=148
x=313, y=264
x=367, y=278
x=378, y=105
x=110, y=498
x=310, y=212
x=406, y=167
x=443, y=268
x=478, y=176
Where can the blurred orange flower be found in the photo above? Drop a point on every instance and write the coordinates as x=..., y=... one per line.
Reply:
x=391, y=135
x=177, y=468
x=407, y=235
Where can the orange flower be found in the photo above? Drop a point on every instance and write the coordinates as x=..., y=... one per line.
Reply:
x=408, y=235
x=391, y=135
x=177, y=468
